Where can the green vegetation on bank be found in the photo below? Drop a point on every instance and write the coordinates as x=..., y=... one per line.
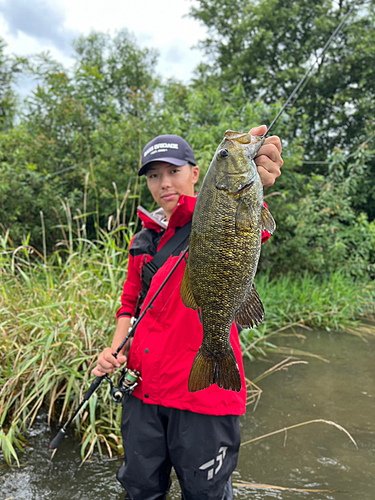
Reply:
x=332, y=302
x=58, y=312
x=69, y=154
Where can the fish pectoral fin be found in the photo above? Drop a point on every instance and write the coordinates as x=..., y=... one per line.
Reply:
x=209, y=368
x=243, y=217
x=186, y=291
x=251, y=312
x=268, y=223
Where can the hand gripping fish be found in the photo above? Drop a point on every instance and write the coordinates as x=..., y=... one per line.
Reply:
x=224, y=250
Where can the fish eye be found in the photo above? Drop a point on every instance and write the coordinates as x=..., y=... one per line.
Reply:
x=223, y=153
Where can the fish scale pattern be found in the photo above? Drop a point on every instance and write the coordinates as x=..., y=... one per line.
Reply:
x=224, y=251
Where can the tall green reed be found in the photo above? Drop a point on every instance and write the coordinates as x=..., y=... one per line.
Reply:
x=57, y=312
x=332, y=302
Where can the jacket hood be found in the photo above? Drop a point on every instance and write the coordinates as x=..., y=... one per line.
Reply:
x=181, y=215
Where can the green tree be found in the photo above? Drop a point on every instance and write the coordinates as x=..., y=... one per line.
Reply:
x=79, y=133
x=8, y=74
x=318, y=230
x=267, y=46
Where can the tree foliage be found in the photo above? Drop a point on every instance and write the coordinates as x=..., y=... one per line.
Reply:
x=8, y=70
x=76, y=146
x=319, y=231
x=79, y=134
x=269, y=44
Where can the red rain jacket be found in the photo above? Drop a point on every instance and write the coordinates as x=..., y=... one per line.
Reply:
x=170, y=334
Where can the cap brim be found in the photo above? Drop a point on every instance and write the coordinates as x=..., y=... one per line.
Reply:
x=173, y=161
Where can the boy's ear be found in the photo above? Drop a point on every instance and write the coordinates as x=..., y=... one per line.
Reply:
x=195, y=170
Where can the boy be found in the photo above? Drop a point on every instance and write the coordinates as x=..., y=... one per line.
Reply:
x=163, y=424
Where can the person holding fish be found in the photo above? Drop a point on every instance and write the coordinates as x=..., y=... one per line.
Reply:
x=185, y=410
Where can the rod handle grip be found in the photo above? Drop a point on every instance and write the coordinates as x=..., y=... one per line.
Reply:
x=56, y=441
x=93, y=387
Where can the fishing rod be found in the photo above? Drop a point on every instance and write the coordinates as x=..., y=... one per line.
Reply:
x=308, y=72
x=129, y=378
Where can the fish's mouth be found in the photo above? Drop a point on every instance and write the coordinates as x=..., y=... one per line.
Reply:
x=240, y=141
x=243, y=138
x=239, y=137
x=236, y=174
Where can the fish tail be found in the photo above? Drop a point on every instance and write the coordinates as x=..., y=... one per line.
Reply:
x=209, y=369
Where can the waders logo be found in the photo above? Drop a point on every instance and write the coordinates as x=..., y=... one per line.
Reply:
x=219, y=460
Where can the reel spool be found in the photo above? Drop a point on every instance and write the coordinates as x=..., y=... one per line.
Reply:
x=126, y=384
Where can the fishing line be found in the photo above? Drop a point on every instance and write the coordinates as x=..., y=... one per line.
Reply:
x=308, y=72
x=361, y=145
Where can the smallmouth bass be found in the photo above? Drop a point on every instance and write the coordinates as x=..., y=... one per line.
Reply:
x=224, y=251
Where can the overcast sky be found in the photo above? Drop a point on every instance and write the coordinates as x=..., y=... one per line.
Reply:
x=32, y=26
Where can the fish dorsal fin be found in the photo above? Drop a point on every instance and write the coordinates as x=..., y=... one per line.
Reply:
x=186, y=291
x=268, y=223
x=251, y=312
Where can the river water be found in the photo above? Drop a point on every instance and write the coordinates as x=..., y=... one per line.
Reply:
x=315, y=456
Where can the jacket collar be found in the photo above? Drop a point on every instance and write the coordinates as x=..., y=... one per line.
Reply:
x=181, y=215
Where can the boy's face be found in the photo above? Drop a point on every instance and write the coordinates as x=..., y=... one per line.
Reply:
x=167, y=182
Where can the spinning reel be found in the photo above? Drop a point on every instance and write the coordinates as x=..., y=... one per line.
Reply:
x=127, y=382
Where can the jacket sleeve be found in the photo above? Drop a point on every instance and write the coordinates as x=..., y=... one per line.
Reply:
x=265, y=234
x=131, y=288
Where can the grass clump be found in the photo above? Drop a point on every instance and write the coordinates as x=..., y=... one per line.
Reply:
x=56, y=315
x=58, y=312
x=332, y=302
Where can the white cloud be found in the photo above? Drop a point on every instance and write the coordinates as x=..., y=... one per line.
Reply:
x=31, y=26
x=178, y=59
x=38, y=20
x=160, y=24
x=163, y=19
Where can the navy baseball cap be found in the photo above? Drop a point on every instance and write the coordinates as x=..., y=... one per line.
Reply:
x=169, y=148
